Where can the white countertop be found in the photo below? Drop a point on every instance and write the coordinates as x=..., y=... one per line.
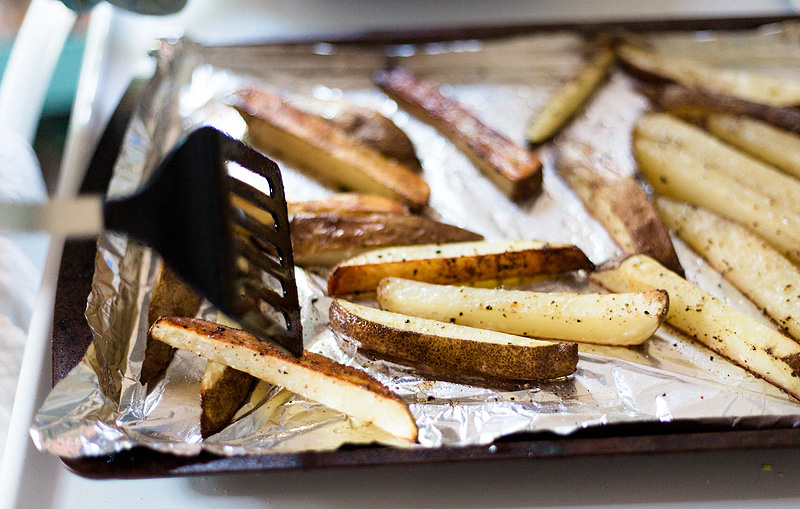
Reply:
x=116, y=52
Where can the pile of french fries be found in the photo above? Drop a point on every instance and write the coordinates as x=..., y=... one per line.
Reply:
x=726, y=184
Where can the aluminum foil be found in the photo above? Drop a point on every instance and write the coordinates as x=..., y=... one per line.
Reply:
x=100, y=407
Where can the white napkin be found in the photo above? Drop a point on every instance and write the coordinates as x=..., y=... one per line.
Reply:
x=21, y=263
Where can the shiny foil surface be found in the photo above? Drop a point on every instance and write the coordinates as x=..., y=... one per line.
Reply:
x=100, y=407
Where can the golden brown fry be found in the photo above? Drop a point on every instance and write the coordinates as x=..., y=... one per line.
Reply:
x=618, y=203
x=325, y=150
x=349, y=203
x=170, y=297
x=514, y=169
x=455, y=263
x=730, y=333
x=452, y=349
x=222, y=392
x=314, y=376
x=570, y=96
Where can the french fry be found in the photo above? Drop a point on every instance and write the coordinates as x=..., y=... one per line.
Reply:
x=570, y=96
x=617, y=202
x=765, y=276
x=170, y=297
x=732, y=334
x=325, y=150
x=452, y=349
x=314, y=376
x=675, y=175
x=761, y=140
x=347, y=203
x=607, y=319
x=458, y=262
x=514, y=170
x=327, y=239
x=747, y=86
x=696, y=104
x=712, y=153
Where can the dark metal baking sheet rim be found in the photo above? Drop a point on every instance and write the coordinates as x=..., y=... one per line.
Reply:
x=72, y=335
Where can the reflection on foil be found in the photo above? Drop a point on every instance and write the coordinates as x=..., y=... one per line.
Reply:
x=100, y=407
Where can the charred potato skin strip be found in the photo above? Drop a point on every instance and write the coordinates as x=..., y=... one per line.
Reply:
x=514, y=169
x=549, y=259
x=453, y=355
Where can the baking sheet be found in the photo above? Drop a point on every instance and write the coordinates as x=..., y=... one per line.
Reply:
x=505, y=81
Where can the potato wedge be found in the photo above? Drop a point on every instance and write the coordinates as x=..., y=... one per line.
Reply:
x=694, y=103
x=515, y=170
x=170, y=297
x=325, y=150
x=452, y=349
x=732, y=334
x=327, y=239
x=606, y=319
x=366, y=127
x=617, y=202
x=348, y=203
x=458, y=262
x=675, y=175
x=760, y=272
x=222, y=392
x=748, y=86
x=712, y=153
x=774, y=146
x=314, y=376
x=570, y=96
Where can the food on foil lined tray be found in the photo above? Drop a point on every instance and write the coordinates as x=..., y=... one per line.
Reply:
x=431, y=324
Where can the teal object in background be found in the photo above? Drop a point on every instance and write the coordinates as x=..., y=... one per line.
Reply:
x=61, y=93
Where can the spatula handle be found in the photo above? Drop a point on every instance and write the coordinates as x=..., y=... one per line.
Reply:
x=77, y=217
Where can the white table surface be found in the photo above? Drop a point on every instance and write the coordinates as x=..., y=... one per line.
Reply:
x=116, y=52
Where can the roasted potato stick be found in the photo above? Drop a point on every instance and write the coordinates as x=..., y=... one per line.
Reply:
x=570, y=96
x=455, y=263
x=712, y=153
x=170, y=297
x=761, y=140
x=607, y=319
x=617, y=202
x=697, y=104
x=325, y=150
x=747, y=86
x=514, y=169
x=770, y=280
x=314, y=376
x=452, y=349
x=348, y=203
x=675, y=175
x=327, y=239
x=732, y=334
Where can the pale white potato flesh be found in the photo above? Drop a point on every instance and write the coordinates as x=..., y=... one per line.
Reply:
x=563, y=104
x=764, y=275
x=609, y=319
x=455, y=262
x=768, y=143
x=674, y=174
x=750, y=86
x=314, y=376
x=711, y=153
x=752, y=345
x=450, y=349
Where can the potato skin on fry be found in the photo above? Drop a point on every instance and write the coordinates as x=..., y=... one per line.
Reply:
x=222, y=391
x=514, y=169
x=454, y=263
x=452, y=349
